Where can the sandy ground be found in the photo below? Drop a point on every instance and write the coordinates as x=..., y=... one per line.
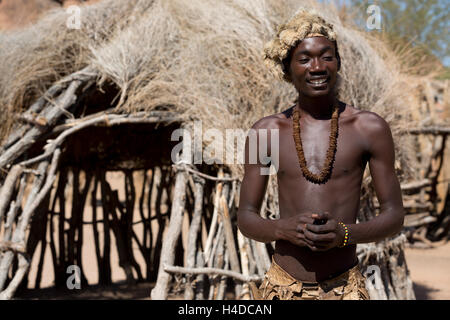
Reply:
x=429, y=270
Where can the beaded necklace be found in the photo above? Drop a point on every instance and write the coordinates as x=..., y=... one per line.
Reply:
x=325, y=173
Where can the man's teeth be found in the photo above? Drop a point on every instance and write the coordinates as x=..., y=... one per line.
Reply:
x=318, y=81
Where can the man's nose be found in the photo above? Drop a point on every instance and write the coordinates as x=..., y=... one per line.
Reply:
x=317, y=65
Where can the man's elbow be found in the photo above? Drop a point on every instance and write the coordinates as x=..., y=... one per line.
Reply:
x=241, y=222
x=245, y=222
x=398, y=223
x=398, y=228
x=243, y=228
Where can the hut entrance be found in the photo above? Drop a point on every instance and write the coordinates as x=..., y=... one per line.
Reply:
x=105, y=215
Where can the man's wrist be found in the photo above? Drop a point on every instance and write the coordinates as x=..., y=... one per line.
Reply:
x=278, y=234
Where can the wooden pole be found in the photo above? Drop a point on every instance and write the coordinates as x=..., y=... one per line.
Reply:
x=13, y=210
x=216, y=260
x=193, y=233
x=212, y=271
x=43, y=103
x=147, y=235
x=50, y=116
x=231, y=244
x=62, y=265
x=7, y=258
x=127, y=221
x=19, y=232
x=161, y=289
x=223, y=282
x=52, y=213
x=200, y=279
x=243, y=251
x=7, y=189
x=157, y=187
x=214, y=217
x=106, y=259
x=110, y=198
x=38, y=233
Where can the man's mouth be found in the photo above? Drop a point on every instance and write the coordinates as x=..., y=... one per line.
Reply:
x=317, y=81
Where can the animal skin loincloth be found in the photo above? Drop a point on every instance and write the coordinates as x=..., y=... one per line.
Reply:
x=280, y=285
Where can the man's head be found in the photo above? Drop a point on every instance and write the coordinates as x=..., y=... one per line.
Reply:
x=304, y=53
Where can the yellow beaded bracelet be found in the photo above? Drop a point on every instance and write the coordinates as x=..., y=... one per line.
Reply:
x=345, y=242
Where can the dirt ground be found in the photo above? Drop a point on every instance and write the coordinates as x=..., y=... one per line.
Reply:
x=429, y=270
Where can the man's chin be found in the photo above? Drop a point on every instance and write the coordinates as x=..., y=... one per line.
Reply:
x=316, y=93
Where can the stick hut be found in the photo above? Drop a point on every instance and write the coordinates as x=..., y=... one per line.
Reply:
x=78, y=105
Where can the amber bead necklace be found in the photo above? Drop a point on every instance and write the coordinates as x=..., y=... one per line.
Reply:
x=325, y=173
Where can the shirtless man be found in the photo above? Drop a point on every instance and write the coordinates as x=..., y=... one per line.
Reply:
x=314, y=260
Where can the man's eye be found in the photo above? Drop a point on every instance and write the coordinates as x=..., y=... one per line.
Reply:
x=303, y=60
x=328, y=58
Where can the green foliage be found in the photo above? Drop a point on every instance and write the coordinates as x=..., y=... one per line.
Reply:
x=445, y=74
x=420, y=23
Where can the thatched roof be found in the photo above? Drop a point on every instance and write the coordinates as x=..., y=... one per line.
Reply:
x=201, y=59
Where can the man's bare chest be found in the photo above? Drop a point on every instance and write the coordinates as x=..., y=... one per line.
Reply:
x=350, y=156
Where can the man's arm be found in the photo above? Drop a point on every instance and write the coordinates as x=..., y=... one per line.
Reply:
x=380, y=147
x=387, y=187
x=253, y=189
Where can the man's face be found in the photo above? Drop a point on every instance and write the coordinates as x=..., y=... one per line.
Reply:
x=313, y=67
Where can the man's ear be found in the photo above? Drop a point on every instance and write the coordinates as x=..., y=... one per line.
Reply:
x=286, y=66
x=287, y=76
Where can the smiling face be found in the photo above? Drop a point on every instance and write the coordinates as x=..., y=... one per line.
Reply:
x=313, y=67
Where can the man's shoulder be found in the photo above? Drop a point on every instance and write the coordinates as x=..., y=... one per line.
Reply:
x=373, y=129
x=369, y=122
x=273, y=121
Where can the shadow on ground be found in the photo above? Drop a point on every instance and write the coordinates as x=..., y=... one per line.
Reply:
x=422, y=291
x=141, y=291
x=117, y=291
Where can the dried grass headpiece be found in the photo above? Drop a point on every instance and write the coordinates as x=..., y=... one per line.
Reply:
x=304, y=24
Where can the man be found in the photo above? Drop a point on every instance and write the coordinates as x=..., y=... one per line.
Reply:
x=324, y=147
